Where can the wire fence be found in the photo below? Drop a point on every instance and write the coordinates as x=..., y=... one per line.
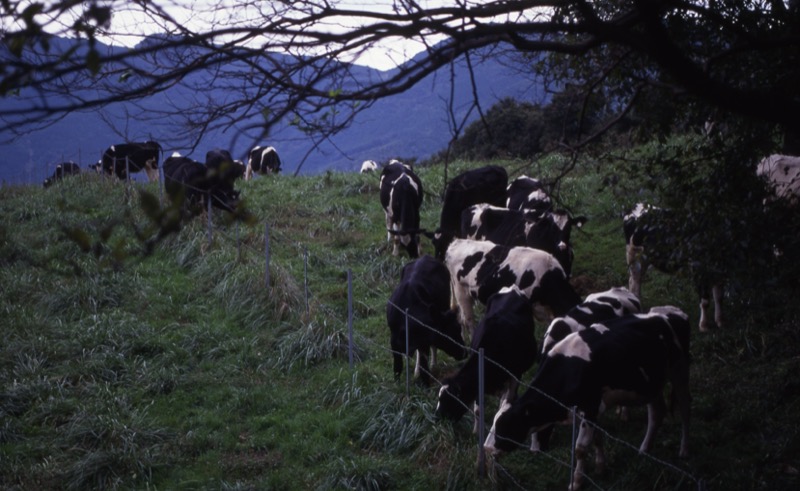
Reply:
x=355, y=339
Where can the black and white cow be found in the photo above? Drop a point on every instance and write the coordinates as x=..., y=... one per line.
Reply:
x=482, y=185
x=648, y=242
x=262, y=160
x=479, y=269
x=61, y=171
x=190, y=182
x=401, y=198
x=368, y=166
x=423, y=291
x=506, y=335
x=782, y=172
x=623, y=361
x=549, y=231
x=124, y=158
x=527, y=193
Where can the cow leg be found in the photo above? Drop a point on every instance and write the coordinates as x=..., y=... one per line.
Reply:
x=248, y=172
x=582, y=444
x=150, y=168
x=465, y=309
x=716, y=292
x=422, y=369
x=636, y=268
x=655, y=416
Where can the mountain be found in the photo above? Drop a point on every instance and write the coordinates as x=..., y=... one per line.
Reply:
x=407, y=125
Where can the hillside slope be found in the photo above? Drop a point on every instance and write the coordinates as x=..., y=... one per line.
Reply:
x=176, y=368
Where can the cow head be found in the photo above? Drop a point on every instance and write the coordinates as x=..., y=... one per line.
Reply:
x=441, y=241
x=450, y=405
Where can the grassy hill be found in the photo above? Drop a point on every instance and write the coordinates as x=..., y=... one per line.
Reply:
x=176, y=368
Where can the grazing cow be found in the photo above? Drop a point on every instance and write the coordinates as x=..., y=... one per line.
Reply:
x=527, y=193
x=549, y=231
x=262, y=160
x=597, y=307
x=783, y=174
x=424, y=291
x=62, y=170
x=480, y=268
x=125, y=158
x=647, y=242
x=401, y=198
x=189, y=181
x=507, y=337
x=368, y=166
x=482, y=185
x=623, y=361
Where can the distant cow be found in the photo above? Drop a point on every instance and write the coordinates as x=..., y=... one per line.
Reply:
x=506, y=335
x=424, y=291
x=527, y=193
x=623, y=361
x=401, y=198
x=649, y=241
x=368, y=166
x=62, y=170
x=124, y=158
x=482, y=185
x=262, y=160
x=479, y=269
x=783, y=174
x=549, y=231
x=193, y=183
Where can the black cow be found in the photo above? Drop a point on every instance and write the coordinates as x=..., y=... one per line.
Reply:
x=482, y=185
x=649, y=241
x=424, y=291
x=262, y=160
x=507, y=337
x=62, y=170
x=623, y=361
x=189, y=181
x=549, y=231
x=401, y=198
x=527, y=193
x=480, y=268
x=125, y=158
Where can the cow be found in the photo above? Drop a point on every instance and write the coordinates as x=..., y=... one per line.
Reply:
x=479, y=269
x=506, y=335
x=192, y=183
x=368, y=166
x=549, y=231
x=62, y=170
x=401, y=198
x=527, y=193
x=424, y=294
x=482, y=185
x=782, y=172
x=127, y=158
x=648, y=242
x=624, y=361
x=596, y=307
x=262, y=160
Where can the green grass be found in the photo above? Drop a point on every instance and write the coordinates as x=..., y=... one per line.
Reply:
x=179, y=369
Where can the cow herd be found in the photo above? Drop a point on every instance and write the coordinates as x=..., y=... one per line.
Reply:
x=504, y=245
x=186, y=180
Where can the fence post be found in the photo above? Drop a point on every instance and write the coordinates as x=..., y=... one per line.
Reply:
x=481, y=411
x=408, y=361
x=305, y=274
x=266, y=255
x=574, y=442
x=208, y=214
x=350, y=315
x=161, y=184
